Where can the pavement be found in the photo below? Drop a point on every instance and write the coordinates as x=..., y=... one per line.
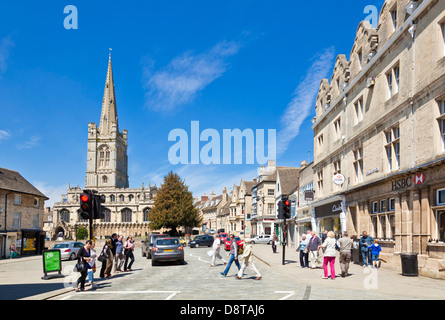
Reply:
x=21, y=279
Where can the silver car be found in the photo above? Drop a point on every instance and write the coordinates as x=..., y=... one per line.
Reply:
x=262, y=239
x=69, y=249
x=167, y=249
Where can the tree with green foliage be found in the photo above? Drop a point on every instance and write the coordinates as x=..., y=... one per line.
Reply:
x=82, y=233
x=173, y=206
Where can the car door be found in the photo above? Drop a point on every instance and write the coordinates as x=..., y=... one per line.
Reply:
x=209, y=241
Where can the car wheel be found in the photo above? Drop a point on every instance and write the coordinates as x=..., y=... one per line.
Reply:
x=154, y=263
x=181, y=262
x=252, y=242
x=73, y=256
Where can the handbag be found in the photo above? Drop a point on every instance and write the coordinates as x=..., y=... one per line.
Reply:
x=80, y=267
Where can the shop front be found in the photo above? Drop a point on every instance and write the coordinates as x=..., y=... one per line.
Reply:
x=330, y=215
x=406, y=213
x=32, y=242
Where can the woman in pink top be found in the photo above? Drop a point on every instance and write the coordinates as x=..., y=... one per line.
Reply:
x=128, y=251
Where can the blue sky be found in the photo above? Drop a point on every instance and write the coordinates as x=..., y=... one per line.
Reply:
x=232, y=64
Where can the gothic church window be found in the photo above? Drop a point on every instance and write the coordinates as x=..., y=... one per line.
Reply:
x=126, y=215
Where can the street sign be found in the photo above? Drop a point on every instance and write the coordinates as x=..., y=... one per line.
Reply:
x=52, y=263
x=338, y=179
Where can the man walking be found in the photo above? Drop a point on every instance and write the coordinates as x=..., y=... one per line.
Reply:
x=345, y=247
x=247, y=261
x=313, y=245
x=366, y=242
x=216, y=248
x=119, y=257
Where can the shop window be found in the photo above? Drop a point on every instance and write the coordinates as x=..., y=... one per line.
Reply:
x=391, y=204
x=383, y=226
x=382, y=206
x=392, y=226
x=440, y=200
x=375, y=207
x=441, y=225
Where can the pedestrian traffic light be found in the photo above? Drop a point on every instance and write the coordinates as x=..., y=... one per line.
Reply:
x=98, y=211
x=86, y=205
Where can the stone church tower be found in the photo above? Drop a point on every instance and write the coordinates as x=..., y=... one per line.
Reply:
x=126, y=210
x=107, y=161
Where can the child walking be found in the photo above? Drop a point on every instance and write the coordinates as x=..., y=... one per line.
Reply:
x=375, y=251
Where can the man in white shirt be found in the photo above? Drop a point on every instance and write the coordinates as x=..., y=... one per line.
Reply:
x=216, y=248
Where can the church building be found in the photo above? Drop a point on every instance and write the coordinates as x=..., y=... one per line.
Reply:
x=126, y=209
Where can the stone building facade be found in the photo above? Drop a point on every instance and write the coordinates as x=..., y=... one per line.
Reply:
x=21, y=215
x=380, y=123
x=126, y=209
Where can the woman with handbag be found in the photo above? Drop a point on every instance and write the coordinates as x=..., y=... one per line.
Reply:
x=84, y=258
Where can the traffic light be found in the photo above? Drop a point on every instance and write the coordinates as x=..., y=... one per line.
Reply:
x=86, y=205
x=280, y=210
x=286, y=207
x=98, y=212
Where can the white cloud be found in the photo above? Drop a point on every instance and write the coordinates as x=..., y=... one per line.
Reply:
x=206, y=178
x=32, y=142
x=5, y=47
x=185, y=76
x=54, y=193
x=303, y=99
x=4, y=135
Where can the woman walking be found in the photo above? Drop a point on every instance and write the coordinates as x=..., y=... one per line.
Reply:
x=128, y=252
x=233, y=256
x=84, y=257
x=108, y=253
x=304, y=254
x=329, y=254
x=92, y=263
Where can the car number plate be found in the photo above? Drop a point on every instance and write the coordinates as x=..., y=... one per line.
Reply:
x=168, y=250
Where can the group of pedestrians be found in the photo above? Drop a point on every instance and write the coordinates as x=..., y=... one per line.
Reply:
x=115, y=252
x=321, y=251
x=246, y=257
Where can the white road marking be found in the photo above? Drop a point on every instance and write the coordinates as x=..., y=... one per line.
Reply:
x=172, y=293
x=289, y=294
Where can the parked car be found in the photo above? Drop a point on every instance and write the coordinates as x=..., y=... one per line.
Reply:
x=211, y=231
x=238, y=240
x=167, y=249
x=147, y=244
x=68, y=249
x=267, y=238
x=201, y=241
x=223, y=237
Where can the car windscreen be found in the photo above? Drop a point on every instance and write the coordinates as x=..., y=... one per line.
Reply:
x=167, y=242
x=61, y=245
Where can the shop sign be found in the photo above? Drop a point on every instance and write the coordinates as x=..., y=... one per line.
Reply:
x=329, y=209
x=419, y=179
x=338, y=179
x=401, y=183
x=52, y=263
x=408, y=181
x=309, y=195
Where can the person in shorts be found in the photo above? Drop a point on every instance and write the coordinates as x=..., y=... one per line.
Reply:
x=375, y=252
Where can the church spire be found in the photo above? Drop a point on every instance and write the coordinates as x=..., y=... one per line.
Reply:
x=109, y=112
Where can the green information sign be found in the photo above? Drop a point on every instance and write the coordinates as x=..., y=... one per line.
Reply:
x=52, y=263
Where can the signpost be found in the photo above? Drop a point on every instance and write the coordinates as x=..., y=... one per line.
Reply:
x=52, y=263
